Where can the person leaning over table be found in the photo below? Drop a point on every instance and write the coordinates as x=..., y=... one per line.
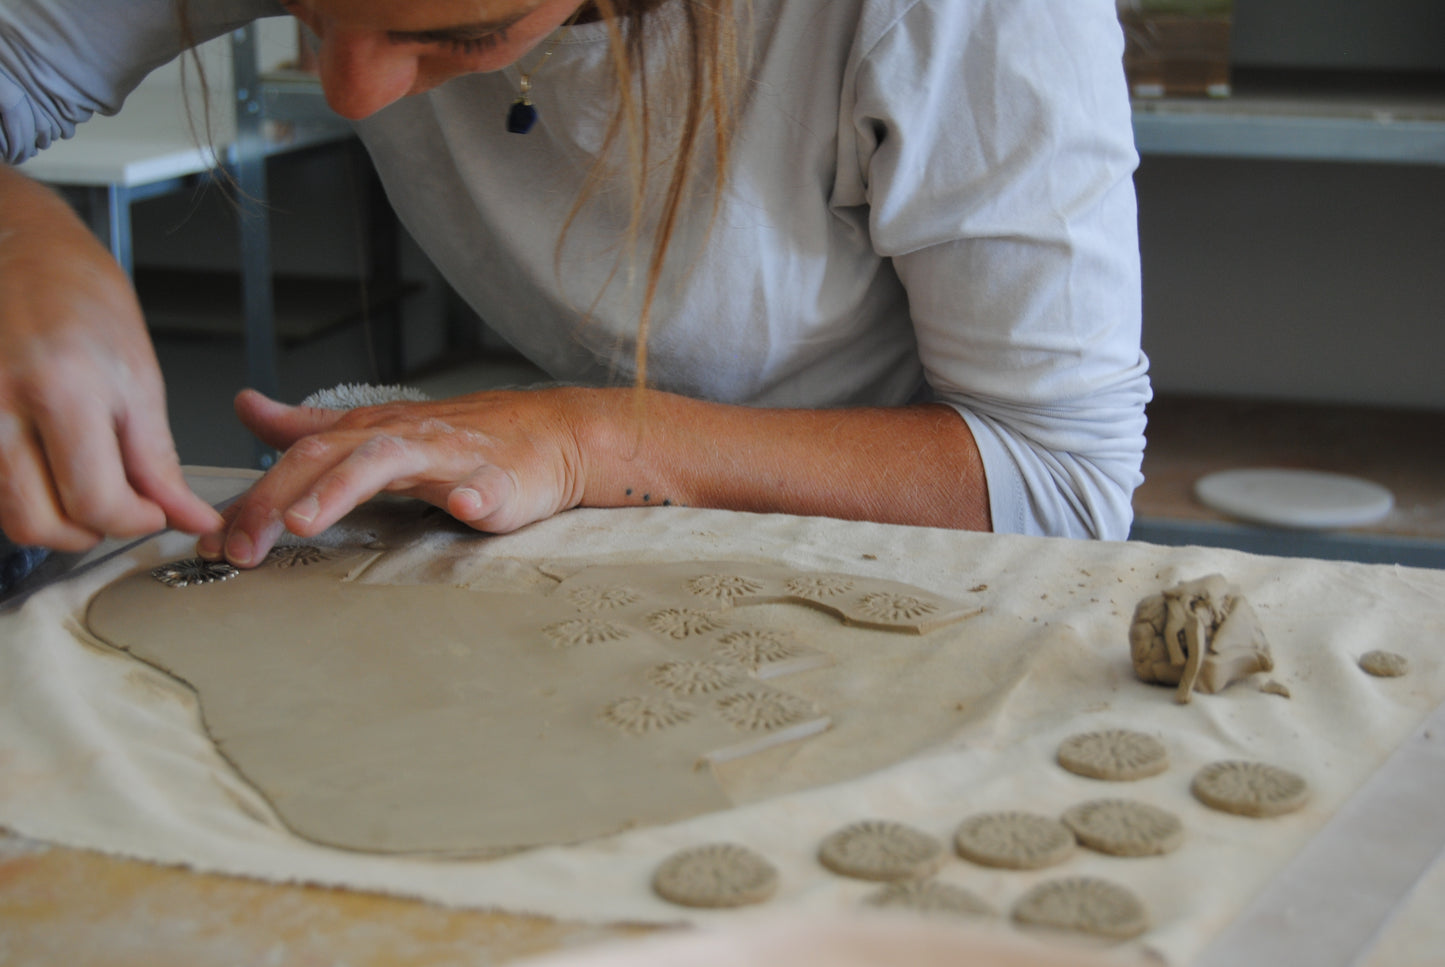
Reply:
x=871, y=259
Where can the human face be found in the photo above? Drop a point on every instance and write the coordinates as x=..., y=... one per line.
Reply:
x=374, y=52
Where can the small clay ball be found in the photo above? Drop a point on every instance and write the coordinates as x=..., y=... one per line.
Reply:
x=1384, y=664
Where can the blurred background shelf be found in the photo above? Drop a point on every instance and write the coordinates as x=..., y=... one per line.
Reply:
x=1303, y=115
x=1399, y=448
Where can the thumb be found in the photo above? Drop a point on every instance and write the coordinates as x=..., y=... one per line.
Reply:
x=277, y=424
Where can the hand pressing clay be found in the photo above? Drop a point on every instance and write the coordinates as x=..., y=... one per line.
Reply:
x=1199, y=636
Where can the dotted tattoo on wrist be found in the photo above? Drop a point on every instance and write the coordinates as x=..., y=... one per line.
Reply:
x=646, y=498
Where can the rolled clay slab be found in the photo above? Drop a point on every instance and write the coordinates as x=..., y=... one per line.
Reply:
x=1309, y=499
x=431, y=718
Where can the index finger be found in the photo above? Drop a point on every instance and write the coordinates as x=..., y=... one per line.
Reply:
x=78, y=435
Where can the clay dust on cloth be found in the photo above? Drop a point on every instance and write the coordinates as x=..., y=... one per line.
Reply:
x=101, y=751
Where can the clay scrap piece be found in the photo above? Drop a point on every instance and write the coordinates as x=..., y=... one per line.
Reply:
x=1115, y=755
x=1123, y=827
x=1014, y=840
x=430, y=718
x=1250, y=788
x=1199, y=636
x=716, y=875
x=881, y=850
x=858, y=601
x=1384, y=664
x=1275, y=687
x=1085, y=904
x=930, y=897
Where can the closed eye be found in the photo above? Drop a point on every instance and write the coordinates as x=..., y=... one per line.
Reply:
x=471, y=45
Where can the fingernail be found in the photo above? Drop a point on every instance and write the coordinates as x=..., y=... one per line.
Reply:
x=239, y=548
x=469, y=499
x=305, y=509
x=208, y=547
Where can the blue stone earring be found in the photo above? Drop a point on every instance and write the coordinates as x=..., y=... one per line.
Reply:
x=523, y=113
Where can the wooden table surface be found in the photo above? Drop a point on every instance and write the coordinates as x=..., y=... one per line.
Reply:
x=73, y=907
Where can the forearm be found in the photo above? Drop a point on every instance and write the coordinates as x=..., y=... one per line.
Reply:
x=907, y=465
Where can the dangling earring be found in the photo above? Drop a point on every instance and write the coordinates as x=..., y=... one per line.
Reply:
x=523, y=113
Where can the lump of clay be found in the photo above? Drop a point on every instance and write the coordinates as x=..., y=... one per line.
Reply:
x=1199, y=635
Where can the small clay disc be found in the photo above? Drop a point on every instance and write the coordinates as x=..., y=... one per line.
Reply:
x=715, y=875
x=1384, y=664
x=1014, y=840
x=1289, y=497
x=1249, y=788
x=1118, y=755
x=877, y=849
x=1123, y=827
x=1084, y=904
x=930, y=896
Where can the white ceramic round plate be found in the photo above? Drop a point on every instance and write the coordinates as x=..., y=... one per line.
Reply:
x=1295, y=498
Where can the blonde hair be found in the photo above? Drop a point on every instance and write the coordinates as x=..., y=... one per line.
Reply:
x=709, y=57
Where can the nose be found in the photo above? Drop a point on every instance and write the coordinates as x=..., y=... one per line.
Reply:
x=362, y=72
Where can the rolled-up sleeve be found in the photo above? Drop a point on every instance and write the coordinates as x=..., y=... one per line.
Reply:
x=63, y=61
x=998, y=149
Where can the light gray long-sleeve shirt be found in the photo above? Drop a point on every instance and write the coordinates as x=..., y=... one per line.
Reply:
x=926, y=199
